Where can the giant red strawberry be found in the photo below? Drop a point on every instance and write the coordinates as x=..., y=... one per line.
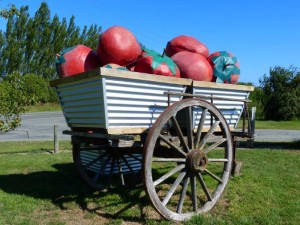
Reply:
x=118, y=45
x=193, y=66
x=226, y=67
x=186, y=43
x=74, y=60
x=152, y=62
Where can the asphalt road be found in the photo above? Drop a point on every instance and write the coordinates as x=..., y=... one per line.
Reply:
x=40, y=126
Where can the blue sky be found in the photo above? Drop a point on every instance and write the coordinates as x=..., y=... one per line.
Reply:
x=260, y=33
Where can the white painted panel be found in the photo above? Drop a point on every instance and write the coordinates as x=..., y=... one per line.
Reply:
x=96, y=115
x=133, y=115
x=90, y=109
x=83, y=97
x=140, y=83
x=137, y=103
x=129, y=109
x=93, y=88
x=231, y=110
x=115, y=102
x=83, y=103
x=141, y=95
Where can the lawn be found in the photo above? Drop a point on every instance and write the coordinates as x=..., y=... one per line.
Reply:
x=274, y=125
x=38, y=187
x=280, y=125
x=47, y=107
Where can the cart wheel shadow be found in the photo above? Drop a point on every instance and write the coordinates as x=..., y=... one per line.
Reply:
x=64, y=186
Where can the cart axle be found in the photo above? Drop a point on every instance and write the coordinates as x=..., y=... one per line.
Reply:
x=196, y=161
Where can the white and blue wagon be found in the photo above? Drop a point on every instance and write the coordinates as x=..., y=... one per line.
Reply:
x=174, y=134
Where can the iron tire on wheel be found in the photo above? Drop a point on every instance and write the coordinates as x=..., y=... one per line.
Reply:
x=185, y=167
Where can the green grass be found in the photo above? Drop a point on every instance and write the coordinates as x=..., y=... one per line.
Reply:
x=281, y=125
x=275, y=125
x=41, y=188
x=47, y=107
x=267, y=192
x=31, y=147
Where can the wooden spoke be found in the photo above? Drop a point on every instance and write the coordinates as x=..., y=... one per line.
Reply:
x=173, y=188
x=179, y=160
x=207, y=135
x=127, y=164
x=200, y=128
x=167, y=175
x=203, y=185
x=213, y=146
x=190, y=128
x=111, y=171
x=96, y=177
x=182, y=194
x=213, y=176
x=217, y=160
x=171, y=145
x=179, y=133
x=194, y=193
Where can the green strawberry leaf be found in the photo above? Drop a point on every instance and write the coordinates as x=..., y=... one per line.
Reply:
x=158, y=59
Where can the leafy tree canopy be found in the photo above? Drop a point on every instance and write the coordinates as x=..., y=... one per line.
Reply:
x=29, y=43
x=13, y=102
x=6, y=13
x=27, y=57
x=281, y=93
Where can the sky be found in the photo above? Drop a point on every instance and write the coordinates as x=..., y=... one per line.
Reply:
x=262, y=34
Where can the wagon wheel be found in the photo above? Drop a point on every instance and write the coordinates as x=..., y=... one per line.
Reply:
x=187, y=164
x=102, y=167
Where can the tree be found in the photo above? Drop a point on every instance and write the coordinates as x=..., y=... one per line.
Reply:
x=257, y=101
x=14, y=45
x=13, y=102
x=6, y=13
x=36, y=88
x=256, y=97
x=281, y=93
x=29, y=44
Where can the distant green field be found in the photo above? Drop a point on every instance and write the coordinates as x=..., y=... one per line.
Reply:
x=280, y=125
x=44, y=107
x=275, y=125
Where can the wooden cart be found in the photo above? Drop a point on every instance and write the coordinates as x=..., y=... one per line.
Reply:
x=176, y=134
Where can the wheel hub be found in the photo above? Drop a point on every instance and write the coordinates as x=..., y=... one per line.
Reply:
x=196, y=161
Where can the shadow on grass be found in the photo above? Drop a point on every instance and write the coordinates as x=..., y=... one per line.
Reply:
x=64, y=186
x=294, y=145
